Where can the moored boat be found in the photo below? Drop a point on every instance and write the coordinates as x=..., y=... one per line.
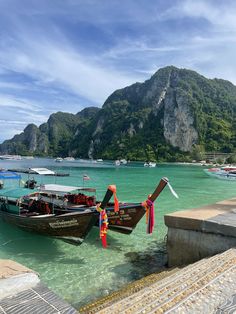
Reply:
x=69, y=159
x=150, y=164
x=10, y=157
x=40, y=171
x=123, y=161
x=58, y=159
x=68, y=213
x=227, y=173
x=124, y=220
x=70, y=227
x=117, y=163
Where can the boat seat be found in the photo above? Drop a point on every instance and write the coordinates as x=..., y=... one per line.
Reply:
x=42, y=216
x=33, y=214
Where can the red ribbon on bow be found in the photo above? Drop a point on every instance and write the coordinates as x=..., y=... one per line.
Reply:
x=116, y=202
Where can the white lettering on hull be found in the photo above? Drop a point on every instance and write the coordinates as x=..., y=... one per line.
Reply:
x=64, y=224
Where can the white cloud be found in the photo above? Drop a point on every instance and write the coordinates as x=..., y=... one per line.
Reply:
x=55, y=63
x=40, y=43
x=222, y=14
x=9, y=101
x=9, y=130
x=17, y=113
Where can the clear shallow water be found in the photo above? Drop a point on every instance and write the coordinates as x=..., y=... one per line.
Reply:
x=81, y=274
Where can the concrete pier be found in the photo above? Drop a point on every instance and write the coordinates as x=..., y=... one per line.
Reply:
x=22, y=292
x=197, y=233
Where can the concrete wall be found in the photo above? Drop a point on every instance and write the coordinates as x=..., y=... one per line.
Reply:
x=187, y=246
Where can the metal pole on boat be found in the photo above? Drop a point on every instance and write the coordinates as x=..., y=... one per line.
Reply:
x=28, y=178
x=52, y=201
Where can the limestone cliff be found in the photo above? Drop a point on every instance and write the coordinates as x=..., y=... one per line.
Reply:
x=162, y=118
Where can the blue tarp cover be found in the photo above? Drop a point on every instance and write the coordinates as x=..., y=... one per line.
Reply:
x=6, y=175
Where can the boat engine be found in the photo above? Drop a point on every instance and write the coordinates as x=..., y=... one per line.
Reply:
x=30, y=184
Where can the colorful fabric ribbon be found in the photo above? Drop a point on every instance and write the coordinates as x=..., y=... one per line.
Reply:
x=103, y=225
x=150, y=215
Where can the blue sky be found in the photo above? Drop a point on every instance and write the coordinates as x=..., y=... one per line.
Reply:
x=64, y=55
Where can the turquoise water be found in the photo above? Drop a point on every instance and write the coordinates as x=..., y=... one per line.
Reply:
x=82, y=274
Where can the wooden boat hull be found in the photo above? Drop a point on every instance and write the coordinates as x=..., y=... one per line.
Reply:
x=126, y=219
x=70, y=227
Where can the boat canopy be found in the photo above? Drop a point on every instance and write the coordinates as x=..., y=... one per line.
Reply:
x=57, y=188
x=15, y=193
x=9, y=175
x=42, y=171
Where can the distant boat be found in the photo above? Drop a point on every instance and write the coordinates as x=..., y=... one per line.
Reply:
x=227, y=173
x=123, y=161
x=40, y=171
x=58, y=159
x=69, y=158
x=117, y=163
x=150, y=164
x=99, y=160
x=10, y=157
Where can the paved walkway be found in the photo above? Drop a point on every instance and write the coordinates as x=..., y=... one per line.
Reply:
x=207, y=286
x=36, y=300
x=21, y=292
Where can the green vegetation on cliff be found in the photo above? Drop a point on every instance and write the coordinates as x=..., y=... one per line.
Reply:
x=168, y=117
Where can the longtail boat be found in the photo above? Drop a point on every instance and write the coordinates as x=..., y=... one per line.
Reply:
x=129, y=214
x=67, y=213
x=31, y=213
x=42, y=213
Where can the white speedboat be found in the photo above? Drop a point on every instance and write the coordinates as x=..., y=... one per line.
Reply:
x=69, y=158
x=150, y=164
x=10, y=157
x=117, y=163
x=58, y=159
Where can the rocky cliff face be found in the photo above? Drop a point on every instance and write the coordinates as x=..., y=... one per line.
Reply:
x=155, y=104
x=52, y=138
x=178, y=124
x=174, y=110
x=163, y=117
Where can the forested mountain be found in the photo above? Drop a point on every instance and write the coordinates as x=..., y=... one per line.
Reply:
x=164, y=118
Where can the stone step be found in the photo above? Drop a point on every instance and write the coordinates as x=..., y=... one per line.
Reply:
x=129, y=289
x=206, y=286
